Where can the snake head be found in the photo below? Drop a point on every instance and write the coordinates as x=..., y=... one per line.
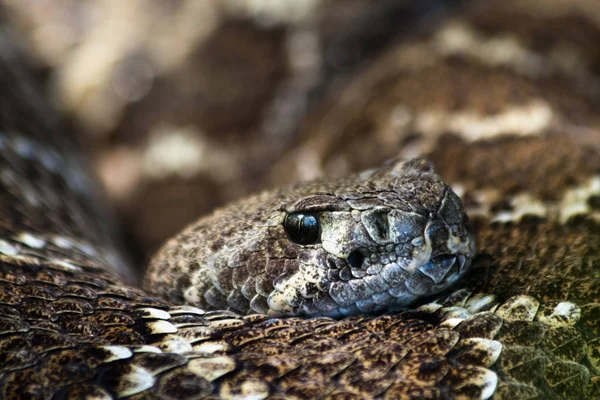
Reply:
x=380, y=239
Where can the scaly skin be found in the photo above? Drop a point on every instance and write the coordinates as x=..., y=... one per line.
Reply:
x=522, y=324
x=404, y=227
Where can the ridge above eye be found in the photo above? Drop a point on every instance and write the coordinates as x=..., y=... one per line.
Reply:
x=303, y=228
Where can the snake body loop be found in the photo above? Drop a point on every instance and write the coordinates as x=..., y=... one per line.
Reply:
x=510, y=124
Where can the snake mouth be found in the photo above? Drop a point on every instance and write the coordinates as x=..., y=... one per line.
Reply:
x=442, y=266
x=390, y=287
x=439, y=268
x=394, y=287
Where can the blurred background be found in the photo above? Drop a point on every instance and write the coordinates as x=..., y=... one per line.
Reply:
x=184, y=105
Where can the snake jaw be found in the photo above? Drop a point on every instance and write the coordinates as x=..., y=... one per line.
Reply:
x=411, y=271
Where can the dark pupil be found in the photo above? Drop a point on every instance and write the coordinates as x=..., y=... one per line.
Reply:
x=302, y=228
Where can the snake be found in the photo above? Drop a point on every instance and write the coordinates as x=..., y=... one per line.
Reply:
x=469, y=272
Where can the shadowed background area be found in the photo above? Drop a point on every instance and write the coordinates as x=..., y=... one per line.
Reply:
x=175, y=100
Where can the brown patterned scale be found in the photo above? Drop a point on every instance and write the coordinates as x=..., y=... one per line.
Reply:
x=511, y=126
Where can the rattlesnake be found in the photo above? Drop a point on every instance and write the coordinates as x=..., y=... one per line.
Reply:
x=523, y=323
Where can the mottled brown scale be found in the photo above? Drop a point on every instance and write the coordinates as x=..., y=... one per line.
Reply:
x=411, y=391
x=565, y=343
x=72, y=306
x=475, y=352
x=183, y=384
x=522, y=363
x=84, y=292
x=523, y=333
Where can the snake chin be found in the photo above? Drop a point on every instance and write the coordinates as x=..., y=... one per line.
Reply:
x=301, y=295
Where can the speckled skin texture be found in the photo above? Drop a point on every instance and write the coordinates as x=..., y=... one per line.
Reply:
x=523, y=324
x=402, y=219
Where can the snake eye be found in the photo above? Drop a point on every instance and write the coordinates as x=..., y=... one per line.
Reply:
x=302, y=228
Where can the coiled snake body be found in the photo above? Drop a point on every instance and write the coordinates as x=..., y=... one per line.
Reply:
x=522, y=323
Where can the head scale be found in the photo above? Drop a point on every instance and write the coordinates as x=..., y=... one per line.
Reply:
x=380, y=239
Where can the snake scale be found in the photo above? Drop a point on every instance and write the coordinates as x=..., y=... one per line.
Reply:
x=513, y=130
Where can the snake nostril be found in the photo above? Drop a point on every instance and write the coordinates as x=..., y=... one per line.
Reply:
x=355, y=259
